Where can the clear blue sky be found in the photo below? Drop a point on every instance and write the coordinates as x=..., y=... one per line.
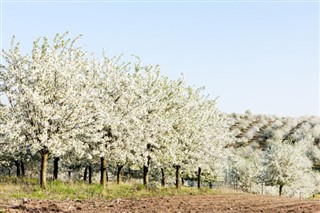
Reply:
x=258, y=56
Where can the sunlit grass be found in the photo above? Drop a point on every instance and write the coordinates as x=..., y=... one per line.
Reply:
x=57, y=190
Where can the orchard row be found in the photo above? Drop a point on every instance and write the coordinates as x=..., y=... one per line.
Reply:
x=61, y=105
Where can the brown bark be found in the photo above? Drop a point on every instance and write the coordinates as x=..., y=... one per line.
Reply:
x=280, y=190
x=146, y=173
x=85, y=174
x=163, y=178
x=17, y=163
x=178, y=183
x=119, y=174
x=146, y=169
x=23, y=171
x=55, y=168
x=90, y=174
x=103, y=172
x=43, y=170
x=107, y=176
x=69, y=175
x=199, y=178
x=101, y=169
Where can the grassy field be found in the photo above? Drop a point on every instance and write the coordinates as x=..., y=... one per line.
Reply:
x=57, y=190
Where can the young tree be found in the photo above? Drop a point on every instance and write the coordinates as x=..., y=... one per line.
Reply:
x=285, y=163
x=246, y=167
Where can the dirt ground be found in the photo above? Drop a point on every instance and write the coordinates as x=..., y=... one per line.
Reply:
x=188, y=203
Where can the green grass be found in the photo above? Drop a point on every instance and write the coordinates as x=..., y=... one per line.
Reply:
x=57, y=190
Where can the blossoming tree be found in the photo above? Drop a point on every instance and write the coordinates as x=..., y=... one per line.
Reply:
x=48, y=99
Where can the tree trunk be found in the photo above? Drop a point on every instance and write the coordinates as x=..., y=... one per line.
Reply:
x=146, y=173
x=280, y=190
x=101, y=169
x=226, y=180
x=43, y=171
x=55, y=168
x=90, y=174
x=199, y=178
x=103, y=172
x=210, y=185
x=85, y=174
x=17, y=163
x=69, y=175
x=182, y=181
x=146, y=169
x=178, y=184
x=107, y=176
x=119, y=174
x=163, y=178
x=23, y=171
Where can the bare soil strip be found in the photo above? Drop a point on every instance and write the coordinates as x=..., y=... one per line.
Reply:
x=187, y=203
